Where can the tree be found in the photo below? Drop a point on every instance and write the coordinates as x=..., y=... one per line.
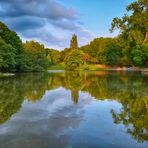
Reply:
x=10, y=37
x=74, y=42
x=7, y=56
x=134, y=29
x=74, y=60
x=54, y=56
x=64, y=53
x=134, y=26
x=35, y=56
x=113, y=52
x=140, y=55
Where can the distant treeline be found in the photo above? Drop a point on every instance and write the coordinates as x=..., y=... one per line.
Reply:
x=129, y=48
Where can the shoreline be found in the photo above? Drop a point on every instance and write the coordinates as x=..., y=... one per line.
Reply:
x=116, y=68
x=128, y=69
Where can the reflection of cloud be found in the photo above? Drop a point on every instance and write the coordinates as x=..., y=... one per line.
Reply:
x=44, y=122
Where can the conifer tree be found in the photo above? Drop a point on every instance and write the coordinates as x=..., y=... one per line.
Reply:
x=74, y=42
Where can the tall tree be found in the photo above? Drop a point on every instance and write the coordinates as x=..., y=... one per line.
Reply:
x=134, y=26
x=74, y=42
x=134, y=30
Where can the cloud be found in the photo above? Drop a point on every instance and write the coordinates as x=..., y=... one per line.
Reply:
x=24, y=23
x=46, y=21
x=49, y=9
x=66, y=24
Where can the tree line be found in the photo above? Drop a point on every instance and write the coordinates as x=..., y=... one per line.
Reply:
x=129, y=48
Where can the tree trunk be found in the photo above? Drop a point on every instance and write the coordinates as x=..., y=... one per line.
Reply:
x=145, y=38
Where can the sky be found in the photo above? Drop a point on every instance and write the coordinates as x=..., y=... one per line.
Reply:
x=53, y=22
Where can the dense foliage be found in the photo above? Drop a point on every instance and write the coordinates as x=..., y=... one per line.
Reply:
x=134, y=31
x=74, y=60
x=14, y=56
x=35, y=56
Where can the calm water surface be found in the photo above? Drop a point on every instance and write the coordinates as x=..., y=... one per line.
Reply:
x=74, y=110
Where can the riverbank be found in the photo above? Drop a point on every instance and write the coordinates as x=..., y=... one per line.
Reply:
x=101, y=67
x=124, y=68
x=6, y=74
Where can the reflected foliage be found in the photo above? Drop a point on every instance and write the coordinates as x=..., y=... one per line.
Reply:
x=129, y=89
x=15, y=89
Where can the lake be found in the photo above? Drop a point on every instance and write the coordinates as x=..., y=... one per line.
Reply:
x=74, y=110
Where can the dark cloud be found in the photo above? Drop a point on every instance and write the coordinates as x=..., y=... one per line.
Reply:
x=22, y=24
x=49, y=9
x=66, y=24
x=22, y=15
x=46, y=21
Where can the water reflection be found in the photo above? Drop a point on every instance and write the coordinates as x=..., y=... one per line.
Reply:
x=13, y=91
x=129, y=89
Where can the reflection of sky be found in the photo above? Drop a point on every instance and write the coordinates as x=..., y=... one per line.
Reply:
x=55, y=121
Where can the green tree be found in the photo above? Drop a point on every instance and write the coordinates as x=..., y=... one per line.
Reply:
x=54, y=56
x=74, y=42
x=113, y=52
x=10, y=37
x=35, y=56
x=134, y=26
x=7, y=57
x=134, y=30
x=74, y=60
x=64, y=53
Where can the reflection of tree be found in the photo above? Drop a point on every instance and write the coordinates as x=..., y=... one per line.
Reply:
x=75, y=81
x=131, y=90
x=134, y=116
x=36, y=85
x=14, y=89
x=55, y=80
x=75, y=95
x=10, y=98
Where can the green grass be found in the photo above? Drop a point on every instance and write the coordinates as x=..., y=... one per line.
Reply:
x=56, y=67
x=95, y=68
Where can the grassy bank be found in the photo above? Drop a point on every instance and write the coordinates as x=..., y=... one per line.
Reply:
x=99, y=67
x=57, y=67
x=6, y=74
